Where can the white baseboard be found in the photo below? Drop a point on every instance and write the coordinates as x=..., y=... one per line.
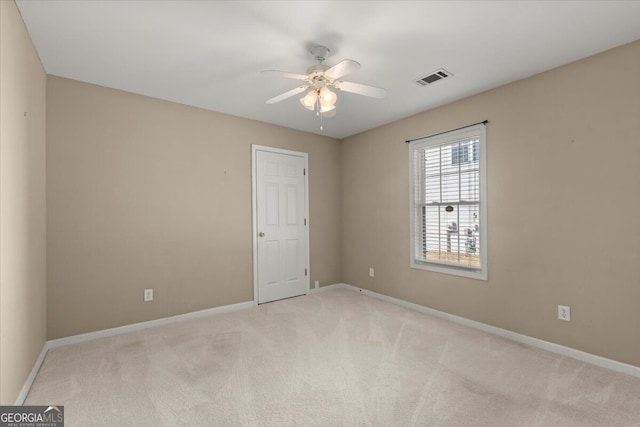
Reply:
x=75, y=339
x=524, y=339
x=32, y=376
x=593, y=359
x=329, y=287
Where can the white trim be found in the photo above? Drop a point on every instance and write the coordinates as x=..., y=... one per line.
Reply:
x=254, y=213
x=435, y=140
x=593, y=359
x=32, y=377
x=254, y=222
x=90, y=336
x=329, y=287
x=75, y=339
x=524, y=339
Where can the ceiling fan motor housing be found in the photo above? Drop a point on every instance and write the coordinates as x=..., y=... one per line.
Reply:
x=316, y=75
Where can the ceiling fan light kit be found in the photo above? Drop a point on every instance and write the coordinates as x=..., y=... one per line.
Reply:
x=320, y=78
x=309, y=100
x=327, y=98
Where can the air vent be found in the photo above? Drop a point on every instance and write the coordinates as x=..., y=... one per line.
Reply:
x=434, y=77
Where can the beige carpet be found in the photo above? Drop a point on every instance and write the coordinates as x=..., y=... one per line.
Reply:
x=334, y=358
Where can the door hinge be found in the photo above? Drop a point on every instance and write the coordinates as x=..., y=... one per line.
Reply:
x=304, y=171
x=305, y=221
x=305, y=271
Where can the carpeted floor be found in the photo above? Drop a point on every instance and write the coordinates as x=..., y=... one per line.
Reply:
x=334, y=358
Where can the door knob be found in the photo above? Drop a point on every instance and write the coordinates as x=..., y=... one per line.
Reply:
x=261, y=234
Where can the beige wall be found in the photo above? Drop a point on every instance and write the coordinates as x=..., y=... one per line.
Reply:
x=564, y=196
x=22, y=204
x=144, y=193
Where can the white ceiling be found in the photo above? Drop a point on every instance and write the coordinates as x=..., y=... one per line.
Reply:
x=209, y=54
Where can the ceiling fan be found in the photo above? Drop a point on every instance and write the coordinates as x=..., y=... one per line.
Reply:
x=320, y=79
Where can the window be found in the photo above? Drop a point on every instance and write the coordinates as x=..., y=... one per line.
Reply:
x=460, y=152
x=448, y=206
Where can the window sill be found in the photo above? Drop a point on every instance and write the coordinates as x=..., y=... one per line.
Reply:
x=478, y=274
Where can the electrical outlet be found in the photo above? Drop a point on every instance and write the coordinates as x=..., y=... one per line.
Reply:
x=564, y=313
x=148, y=295
x=316, y=284
x=371, y=272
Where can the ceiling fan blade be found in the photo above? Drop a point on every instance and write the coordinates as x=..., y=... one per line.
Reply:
x=287, y=74
x=287, y=94
x=342, y=69
x=360, y=89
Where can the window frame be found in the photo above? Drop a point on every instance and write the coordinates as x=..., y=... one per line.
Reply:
x=443, y=139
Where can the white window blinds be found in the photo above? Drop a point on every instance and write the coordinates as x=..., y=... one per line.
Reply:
x=448, y=206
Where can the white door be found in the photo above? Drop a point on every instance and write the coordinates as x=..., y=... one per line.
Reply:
x=280, y=224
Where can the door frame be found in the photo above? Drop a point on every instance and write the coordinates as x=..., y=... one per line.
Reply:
x=254, y=208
